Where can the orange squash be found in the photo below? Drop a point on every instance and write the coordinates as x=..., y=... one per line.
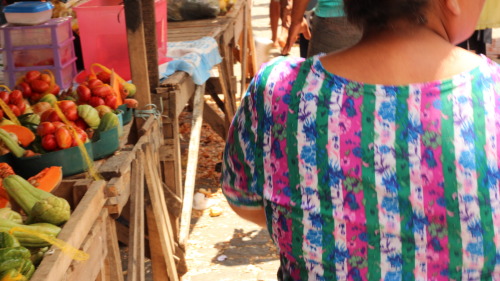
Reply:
x=24, y=135
x=47, y=179
x=5, y=171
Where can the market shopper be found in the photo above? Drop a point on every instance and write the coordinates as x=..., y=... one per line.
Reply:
x=381, y=161
x=280, y=11
x=330, y=31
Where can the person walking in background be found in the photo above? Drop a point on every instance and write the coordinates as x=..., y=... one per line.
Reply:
x=490, y=18
x=280, y=10
x=330, y=29
x=380, y=161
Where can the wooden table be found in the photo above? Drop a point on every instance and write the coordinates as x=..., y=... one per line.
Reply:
x=233, y=34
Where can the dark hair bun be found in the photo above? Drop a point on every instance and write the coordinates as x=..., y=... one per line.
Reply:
x=376, y=14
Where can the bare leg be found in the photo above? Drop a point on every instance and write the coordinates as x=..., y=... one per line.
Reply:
x=274, y=15
x=286, y=18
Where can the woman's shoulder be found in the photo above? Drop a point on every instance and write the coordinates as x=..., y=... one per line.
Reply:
x=279, y=70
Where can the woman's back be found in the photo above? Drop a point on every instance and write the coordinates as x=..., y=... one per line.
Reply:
x=380, y=162
x=363, y=178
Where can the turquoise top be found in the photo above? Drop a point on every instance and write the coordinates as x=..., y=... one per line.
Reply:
x=329, y=8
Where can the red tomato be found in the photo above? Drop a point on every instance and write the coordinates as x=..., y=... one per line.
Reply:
x=81, y=135
x=102, y=91
x=45, y=128
x=1, y=114
x=111, y=101
x=35, y=97
x=15, y=109
x=58, y=124
x=105, y=77
x=31, y=75
x=45, y=115
x=92, y=83
x=63, y=137
x=66, y=104
x=71, y=113
x=131, y=103
x=15, y=97
x=25, y=88
x=5, y=96
x=45, y=77
x=22, y=106
x=55, y=90
x=96, y=101
x=49, y=142
x=80, y=123
x=53, y=117
x=39, y=86
x=83, y=93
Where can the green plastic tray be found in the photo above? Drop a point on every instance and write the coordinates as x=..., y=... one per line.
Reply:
x=128, y=113
x=70, y=160
x=107, y=143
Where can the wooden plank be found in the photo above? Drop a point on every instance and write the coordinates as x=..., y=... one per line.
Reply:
x=94, y=245
x=158, y=264
x=136, y=271
x=122, y=232
x=173, y=201
x=137, y=51
x=192, y=163
x=173, y=80
x=149, y=17
x=252, y=68
x=229, y=108
x=214, y=120
x=244, y=48
x=116, y=165
x=160, y=211
x=54, y=266
x=113, y=260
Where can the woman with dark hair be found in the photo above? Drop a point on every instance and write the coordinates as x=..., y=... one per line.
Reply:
x=380, y=161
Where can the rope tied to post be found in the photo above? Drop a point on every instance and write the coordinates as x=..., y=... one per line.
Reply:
x=148, y=110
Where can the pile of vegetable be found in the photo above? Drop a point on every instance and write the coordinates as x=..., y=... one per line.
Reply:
x=24, y=238
x=36, y=118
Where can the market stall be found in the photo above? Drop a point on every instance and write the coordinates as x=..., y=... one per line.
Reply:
x=131, y=194
x=99, y=173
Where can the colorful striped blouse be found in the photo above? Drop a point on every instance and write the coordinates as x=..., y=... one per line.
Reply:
x=371, y=182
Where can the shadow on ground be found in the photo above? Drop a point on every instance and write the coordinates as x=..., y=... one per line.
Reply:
x=252, y=247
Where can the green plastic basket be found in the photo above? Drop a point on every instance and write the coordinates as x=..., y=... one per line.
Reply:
x=128, y=113
x=69, y=159
x=107, y=143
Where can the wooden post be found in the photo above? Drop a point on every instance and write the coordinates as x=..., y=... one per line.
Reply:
x=137, y=51
x=244, y=50
x=136, y=271
x=192, y=162
x=113, y=260
x=149, y=17
x=162, y=253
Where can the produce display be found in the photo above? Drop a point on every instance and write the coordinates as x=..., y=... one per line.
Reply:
x=37, y=120
x=23, y=237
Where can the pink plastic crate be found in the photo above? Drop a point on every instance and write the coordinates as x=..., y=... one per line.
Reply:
x=39, y=47
x=43, y=56
x=43, y=34
x=104, y=37
x=64, y=76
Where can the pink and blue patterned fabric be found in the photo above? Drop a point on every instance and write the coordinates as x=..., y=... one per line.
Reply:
x=371, y=182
